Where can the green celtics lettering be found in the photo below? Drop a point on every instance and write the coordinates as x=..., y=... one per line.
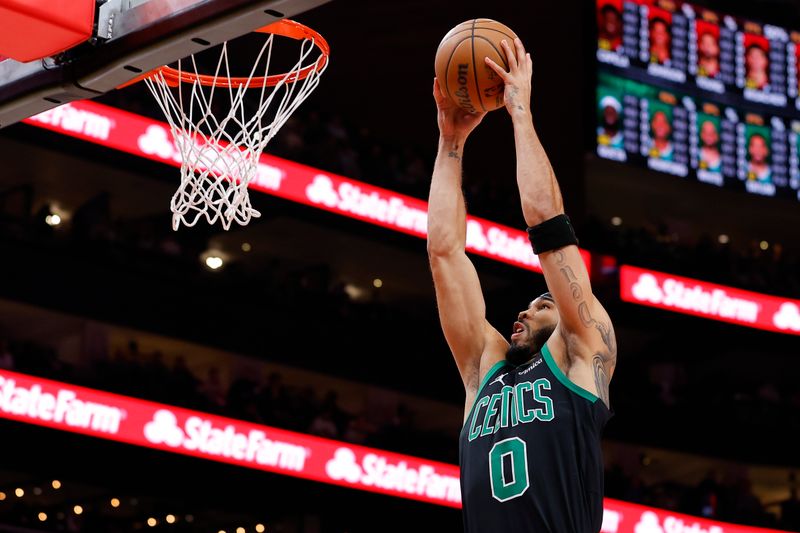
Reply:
x=510, y=408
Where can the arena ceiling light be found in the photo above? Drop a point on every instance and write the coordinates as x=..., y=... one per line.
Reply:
x=53, y=219
x=214, y=260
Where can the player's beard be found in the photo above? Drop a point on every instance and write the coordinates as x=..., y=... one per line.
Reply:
x=522, y=352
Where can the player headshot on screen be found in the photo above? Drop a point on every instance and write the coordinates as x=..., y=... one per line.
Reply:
x=536, y=399
x=609, y=132
x=661, y=131
x=660, y=41
x=609, y=28
x=710, y=158
x=707, y=55
x=756, y=64
x=758, y=155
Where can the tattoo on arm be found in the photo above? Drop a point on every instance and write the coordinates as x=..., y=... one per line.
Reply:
x=454, y=153
x=601, y=378
x=512, y=96
x=600, y=361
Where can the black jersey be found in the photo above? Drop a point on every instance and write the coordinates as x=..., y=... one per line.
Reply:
x=530, y=452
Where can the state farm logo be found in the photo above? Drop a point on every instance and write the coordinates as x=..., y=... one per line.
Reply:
x=650, y=523
x=375, y=471
x=498, y=242
x=675, y=294
x=321, y=191
x=611, y=521
x=69, y=118
x=200, y=435
x=156, y=141
x=63, y=407
x=787, y=317
x=372, y=205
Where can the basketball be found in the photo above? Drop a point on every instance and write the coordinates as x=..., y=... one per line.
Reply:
x=460, y=67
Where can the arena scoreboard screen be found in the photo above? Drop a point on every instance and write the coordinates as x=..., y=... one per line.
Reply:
x=699, y=94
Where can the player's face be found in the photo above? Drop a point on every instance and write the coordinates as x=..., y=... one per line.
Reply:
x=756, y=60
x=661, y=126
x=532, y=329
x=709, y=48
x=758, y=149
x=708, y=134
x=610, y=116
x=611, y=23
x=659, y=35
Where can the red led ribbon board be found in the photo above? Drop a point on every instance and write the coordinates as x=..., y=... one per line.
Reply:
x=708, y=300
x=141, y=423
x=620, y=517
x=65, y=407
x=143, y=137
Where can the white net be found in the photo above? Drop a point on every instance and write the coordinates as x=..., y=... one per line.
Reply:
x=220, y=150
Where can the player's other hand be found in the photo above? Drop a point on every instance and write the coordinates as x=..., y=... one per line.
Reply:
x=454, y=122
x=517, y=92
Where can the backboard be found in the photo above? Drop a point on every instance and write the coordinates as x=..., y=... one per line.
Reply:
x=131, y=37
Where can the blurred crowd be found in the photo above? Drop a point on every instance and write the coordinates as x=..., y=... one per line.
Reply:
x=728, y=498
x=759, y=266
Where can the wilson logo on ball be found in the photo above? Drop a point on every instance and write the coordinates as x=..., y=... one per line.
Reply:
x=461, y=68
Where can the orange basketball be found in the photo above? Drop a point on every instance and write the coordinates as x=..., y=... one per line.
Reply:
x=460, y=67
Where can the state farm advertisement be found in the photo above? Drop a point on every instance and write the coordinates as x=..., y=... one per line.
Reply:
x=110, y=416
x=620, y=517
x=717, y=302
x=144, y=137
x=65, y=407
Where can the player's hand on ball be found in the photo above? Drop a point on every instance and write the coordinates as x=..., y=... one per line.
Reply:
x=453, y=120
x=517, y=91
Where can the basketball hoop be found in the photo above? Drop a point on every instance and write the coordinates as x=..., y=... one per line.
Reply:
x=220, y=154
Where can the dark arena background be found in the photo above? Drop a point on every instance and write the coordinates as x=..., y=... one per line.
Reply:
x=291, y=375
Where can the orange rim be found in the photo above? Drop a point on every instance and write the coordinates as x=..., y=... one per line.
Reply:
x=284, y=28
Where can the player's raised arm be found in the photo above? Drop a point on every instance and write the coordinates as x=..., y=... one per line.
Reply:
x=584, y=325
x=462, y=310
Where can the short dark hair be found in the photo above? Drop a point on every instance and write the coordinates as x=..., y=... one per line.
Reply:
x=751, y=46
x=662, y=20
x=608, y=8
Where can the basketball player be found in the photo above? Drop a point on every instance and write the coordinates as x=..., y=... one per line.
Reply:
x=536, y=402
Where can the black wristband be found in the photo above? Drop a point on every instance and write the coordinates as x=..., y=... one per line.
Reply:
x=552, y=234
